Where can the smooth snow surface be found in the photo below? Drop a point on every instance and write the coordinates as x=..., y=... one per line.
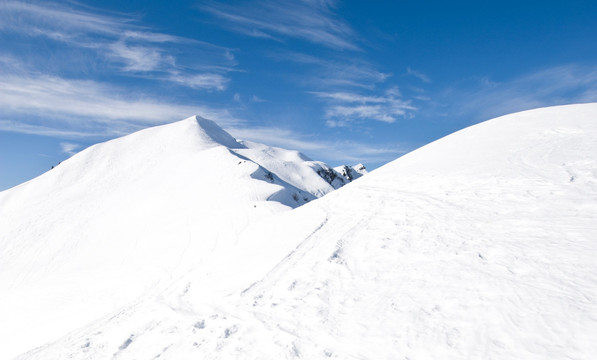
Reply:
x=481, y=245
x=127, y=217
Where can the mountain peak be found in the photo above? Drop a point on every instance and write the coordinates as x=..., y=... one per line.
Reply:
x=189, y=252
x=350, y=173
x=210, y=131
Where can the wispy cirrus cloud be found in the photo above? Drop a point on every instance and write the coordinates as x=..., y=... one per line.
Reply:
x=140, y=58
x=565, y=84
x=343, y=108
x=69, y=148
x=352, y=90
x=18, y=126
x=312, y=21
x=419, y=75
x=205, y=80
x=257, y=99
x=53, y=20
x=325, y=73
x=361, y=75
x=131, y=48
x=333, y=152
x=55, y=106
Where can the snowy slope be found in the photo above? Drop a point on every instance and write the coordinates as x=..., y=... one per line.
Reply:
x=480, y=245
x=128, y=216
x=351, y=173
x=295, y=168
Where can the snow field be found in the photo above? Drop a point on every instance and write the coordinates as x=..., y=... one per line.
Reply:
x=480, y=245
x=125, y=218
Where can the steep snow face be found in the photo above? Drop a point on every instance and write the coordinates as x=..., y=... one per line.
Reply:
x=294, y=168
x=297, y=169
x=480, y=245
x=127, y=216
x=351, y=173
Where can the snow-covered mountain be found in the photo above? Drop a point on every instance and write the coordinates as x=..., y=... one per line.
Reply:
x=127, y=216
x=351, y=173
x=481, y=245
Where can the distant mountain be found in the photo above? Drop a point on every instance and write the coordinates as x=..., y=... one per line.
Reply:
x=122, y=217
x=480, y=245
x=351, y=173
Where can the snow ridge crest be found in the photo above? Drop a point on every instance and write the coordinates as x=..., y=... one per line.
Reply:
x=210, y=131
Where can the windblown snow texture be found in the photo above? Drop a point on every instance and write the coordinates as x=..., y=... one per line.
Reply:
x=480, y=245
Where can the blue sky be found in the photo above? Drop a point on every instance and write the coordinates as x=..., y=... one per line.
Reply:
x=344, y=82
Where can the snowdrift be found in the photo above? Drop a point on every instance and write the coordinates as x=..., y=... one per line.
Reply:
x=479, y=245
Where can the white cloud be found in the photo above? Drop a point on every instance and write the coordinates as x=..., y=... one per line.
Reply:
x=69, y=148
x=20, y=127
x=375, y=112
x=154, y=37
x=335, y=152
x=344, y=82
x=257, y=99
x=313, y=21
x=201, y=81
x=54, y=20
x=349, y=97
x=419, y=75
x=552, y=86
x=117, y=38
x=53, y=106
x=327, y=73
x=343, y=108
x=140, y=58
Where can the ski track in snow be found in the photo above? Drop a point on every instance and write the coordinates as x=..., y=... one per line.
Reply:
x=455, y=251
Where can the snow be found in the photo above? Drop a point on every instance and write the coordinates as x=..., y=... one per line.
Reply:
x=479, y=245
x=293, y=167
x=351, y=173
x=127, y=217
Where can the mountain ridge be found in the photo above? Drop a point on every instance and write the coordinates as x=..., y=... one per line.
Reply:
x=478, y=245
x=162, y=195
